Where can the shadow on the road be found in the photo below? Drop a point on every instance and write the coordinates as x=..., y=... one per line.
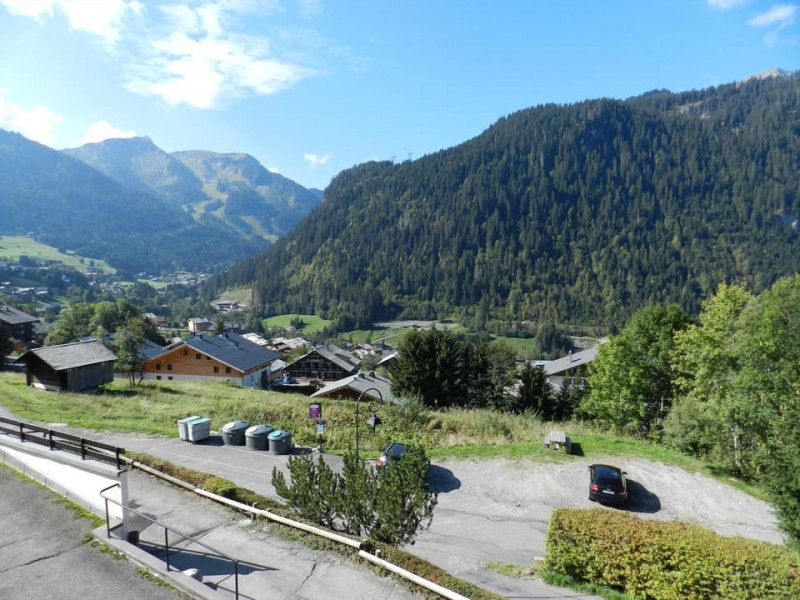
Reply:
x=442, y=480
x=206, y=563
x=212, y=440
x=640, y=499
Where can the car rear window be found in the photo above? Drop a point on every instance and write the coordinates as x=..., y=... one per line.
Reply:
x=607, y=477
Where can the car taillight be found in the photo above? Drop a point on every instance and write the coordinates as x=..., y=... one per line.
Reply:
x=594, y=487
x=623, y=493
x=381, y=461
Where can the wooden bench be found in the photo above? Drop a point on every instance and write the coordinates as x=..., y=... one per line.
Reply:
x=558, y=440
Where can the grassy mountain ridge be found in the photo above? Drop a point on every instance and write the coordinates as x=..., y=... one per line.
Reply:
x=232, y=190
x=65, y=203
x=580, y=213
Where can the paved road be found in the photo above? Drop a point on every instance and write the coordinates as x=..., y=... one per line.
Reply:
x=43, y=555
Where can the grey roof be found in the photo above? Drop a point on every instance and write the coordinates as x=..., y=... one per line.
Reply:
x=231, y=349
x=570, y=361
x=365, y=382
x=148, y=349
x=336, y=355
x=14, y=316
x=72, y=356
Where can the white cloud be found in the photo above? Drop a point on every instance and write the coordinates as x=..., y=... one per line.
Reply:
x=315, y=160
x=102, y=18
x=780, y=15
x=310, y=8
x=204, y=63
x=726, y=4
x=103, y=130
x=36, y=124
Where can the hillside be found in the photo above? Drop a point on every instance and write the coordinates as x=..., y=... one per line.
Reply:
x=232, y=190
x=581, y=213
x=62, y=202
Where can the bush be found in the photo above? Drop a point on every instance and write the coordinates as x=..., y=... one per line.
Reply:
x=659, y=560
x=390, y=507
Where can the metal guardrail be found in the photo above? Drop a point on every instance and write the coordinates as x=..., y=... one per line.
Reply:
x=167, y=529
x=58, y=440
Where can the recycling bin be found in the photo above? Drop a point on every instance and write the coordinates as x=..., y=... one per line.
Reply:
x=280, y=442
x=233, y=433
x=198, y=429
x=183, y=426
x=257, y=437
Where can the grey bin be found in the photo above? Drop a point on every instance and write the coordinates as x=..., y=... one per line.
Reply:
x=198, y=429
x=233, y=433
x=257, y=437
x=280, y=442
x=183, y=426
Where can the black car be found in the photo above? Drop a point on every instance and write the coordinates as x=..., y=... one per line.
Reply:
x=607, y=485
x=393, y=453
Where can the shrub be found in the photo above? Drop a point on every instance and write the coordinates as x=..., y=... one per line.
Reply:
x=659, y=560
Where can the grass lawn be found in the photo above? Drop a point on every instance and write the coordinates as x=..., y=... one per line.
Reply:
x=312, y=323
x=243, y=296
x=154, y=407
x=12, y=247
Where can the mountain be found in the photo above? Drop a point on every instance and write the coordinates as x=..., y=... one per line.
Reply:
x=234, y=190
x=65, y=203
x=575, y=214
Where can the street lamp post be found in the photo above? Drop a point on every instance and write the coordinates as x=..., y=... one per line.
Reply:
x=374, y=407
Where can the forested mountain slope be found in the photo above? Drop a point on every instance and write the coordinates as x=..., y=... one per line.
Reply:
x=67, y=204
x=581, y=213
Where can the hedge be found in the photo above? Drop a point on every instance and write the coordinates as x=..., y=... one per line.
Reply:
x=667, y=560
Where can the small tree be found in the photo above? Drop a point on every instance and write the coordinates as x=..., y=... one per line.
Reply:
x=127, y=345
x=390, y=507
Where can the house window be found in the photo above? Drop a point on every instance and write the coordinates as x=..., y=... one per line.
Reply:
x=197, y=356
x=158, y=367
x=216, y=369
x=170, y=377
x=227, y=369
x=208, y=358
x=185, y=352
x=169, y=367
x=158, y=377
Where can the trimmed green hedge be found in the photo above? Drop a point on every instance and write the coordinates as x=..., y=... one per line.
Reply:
x=667, y=560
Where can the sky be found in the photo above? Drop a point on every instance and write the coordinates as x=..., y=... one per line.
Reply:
x=313, y=87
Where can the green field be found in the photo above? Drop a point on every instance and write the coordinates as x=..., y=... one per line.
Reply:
x=12, y=247
x=243, y=296
x=312, y=323
x=154, y=407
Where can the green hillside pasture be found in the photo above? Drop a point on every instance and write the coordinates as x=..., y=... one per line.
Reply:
x=313, y=323
x=12, y=247
x=243, y=296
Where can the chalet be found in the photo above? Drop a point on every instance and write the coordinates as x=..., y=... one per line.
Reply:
x=372, y=386
x=226, y=357
x=200, y=325
x=75, y=367
x=327, y=362
x=17, y=324
x=569, y=369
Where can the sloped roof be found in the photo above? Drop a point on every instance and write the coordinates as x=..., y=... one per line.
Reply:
x=339, y=357
x=230, y=349
x=72, y=356
x=14, y=316
x=365, y=382
x=570, y=361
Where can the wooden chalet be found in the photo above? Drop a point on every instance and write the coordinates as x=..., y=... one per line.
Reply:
x=328, y=362
x=75, y=367
x=227, y=357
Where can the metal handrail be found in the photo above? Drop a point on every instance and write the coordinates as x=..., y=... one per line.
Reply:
x=59, y=440
x=167, y=529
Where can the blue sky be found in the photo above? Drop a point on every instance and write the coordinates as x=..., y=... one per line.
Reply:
x=312, y=87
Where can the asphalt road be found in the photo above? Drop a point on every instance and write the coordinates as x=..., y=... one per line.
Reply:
x=43, y=553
